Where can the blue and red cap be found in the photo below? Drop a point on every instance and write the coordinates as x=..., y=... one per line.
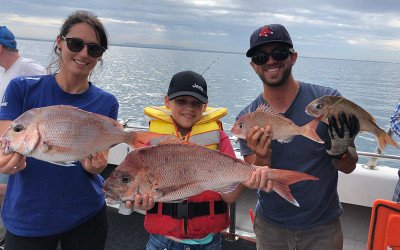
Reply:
x=276, y=33
x=7, y=38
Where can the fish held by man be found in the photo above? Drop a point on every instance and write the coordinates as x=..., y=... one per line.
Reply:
x=63, y=134
x=174, y=170
x=326, y=106
x=283, y=129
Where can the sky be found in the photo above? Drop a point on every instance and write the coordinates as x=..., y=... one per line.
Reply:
x=343, y=29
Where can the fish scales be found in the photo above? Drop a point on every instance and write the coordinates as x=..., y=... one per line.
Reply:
x=63, y=134
x=172, y=172
x=283, y=129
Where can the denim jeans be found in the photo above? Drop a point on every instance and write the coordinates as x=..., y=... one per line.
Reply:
x=159, y=242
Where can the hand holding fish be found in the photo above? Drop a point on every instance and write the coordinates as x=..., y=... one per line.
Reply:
x=142, y=202
x=258, y=140
x=259, y=180
x=95, y=163
x=339, y=139
x=12, y=163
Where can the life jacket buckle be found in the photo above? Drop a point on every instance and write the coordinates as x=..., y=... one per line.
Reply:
x=180, y=210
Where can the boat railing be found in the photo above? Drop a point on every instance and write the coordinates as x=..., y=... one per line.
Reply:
x=374, y=157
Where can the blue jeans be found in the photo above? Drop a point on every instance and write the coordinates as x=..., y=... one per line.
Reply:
x=159, y=242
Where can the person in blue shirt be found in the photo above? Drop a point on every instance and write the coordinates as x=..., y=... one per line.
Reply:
x=277, y=223
x=47, y=204
x=395, y=126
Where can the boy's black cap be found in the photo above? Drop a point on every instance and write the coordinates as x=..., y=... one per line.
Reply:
x=188, y=83
x=268, y=34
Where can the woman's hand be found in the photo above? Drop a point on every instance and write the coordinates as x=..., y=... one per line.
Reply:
x=95, y=163
x=12, y=163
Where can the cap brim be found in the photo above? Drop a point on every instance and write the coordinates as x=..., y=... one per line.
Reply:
x=188, y=93
x=252, y=50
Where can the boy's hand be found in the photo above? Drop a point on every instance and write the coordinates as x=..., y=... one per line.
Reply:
x=143, y=202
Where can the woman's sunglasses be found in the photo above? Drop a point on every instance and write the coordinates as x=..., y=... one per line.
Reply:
x=76, y=45
x=277, y=55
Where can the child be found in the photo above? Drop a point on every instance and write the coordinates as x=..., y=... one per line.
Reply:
x=186, y=115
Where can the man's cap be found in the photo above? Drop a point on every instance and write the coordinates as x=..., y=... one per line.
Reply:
x=268, y=34
x=188, y=83
x=7, y=37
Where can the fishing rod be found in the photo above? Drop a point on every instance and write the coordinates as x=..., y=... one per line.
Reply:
x=209, y=66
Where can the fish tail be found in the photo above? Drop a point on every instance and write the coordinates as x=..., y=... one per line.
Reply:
x=281, y=180
x=308, y=130
x=141, y=138
x=384, y=139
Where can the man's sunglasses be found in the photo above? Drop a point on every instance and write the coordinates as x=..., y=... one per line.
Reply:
x=277, y=55
x=76, y=45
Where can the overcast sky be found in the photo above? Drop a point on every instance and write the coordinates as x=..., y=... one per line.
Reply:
x=344, y=29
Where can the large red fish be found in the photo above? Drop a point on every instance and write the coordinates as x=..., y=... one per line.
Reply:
x=283, y=129
x=172, y=171
x=63, y=134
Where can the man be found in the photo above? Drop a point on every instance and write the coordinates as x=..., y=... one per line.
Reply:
x=14, y=66
x=279, y=224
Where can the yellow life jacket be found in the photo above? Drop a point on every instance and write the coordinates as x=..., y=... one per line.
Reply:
x=205, y=132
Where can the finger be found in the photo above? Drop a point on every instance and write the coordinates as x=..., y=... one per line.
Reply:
x=145, y=200
x=333, y=126
x=263, y=178
x=344, y=124
x=354, y=125
x=128, y=204
x=269, y=187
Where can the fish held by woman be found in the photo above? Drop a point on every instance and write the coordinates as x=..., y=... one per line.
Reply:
x=283, y=129
x=327, y=106
x=63, y=134
x=174, y=170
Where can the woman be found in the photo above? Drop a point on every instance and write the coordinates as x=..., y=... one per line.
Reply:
x=47, y=204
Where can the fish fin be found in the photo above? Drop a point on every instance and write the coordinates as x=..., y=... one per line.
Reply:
x=141, y=138
x=64, y=164
x=267, y=109
x=286, y=140
x=283, y=178
x=308, y=130
x=226, y=189
x=384, y=139
x=284, y=191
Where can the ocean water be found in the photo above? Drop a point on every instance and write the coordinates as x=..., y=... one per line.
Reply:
x=139, y=77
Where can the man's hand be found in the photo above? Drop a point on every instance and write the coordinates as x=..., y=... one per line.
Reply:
x=340, y=138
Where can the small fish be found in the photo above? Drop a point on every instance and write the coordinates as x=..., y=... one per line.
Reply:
x=283, y=129
x=63, y=134
x=174, y=170
x=327, y=106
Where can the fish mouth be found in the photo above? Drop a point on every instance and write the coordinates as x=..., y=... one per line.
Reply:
x=111, y=197
x=5, y=145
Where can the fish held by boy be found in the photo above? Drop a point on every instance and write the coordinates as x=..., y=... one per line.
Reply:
x=63, y=134
x=283, y=129
x=174, y=170
x=327, y=106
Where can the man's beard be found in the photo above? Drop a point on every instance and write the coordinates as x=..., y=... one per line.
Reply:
x=285, y=76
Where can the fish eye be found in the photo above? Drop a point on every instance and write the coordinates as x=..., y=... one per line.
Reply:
x=126, y=179
x=241, y=125
x=318, y=106
x=18, y=128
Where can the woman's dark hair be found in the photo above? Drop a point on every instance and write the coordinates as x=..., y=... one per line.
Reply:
x=80, y=16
